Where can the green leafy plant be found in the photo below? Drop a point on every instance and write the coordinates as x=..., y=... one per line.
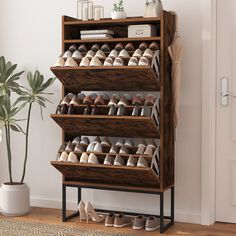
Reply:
x=118, y=7
x=26, y=96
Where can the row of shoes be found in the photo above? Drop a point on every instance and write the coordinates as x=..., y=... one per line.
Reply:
x=120, y=220
x=115, y=100
x=115, y=58
x=92, y=158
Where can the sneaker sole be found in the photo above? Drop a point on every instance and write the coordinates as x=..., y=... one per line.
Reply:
x=138, y=228
x=109, y=225
x=121, y=226
x=152, y=229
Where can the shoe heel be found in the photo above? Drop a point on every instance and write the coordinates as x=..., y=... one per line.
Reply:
x=87, y=217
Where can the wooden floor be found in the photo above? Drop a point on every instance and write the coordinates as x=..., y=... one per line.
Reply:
x=52, y=216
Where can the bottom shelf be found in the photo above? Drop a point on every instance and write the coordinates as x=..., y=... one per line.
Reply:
x=127, y=177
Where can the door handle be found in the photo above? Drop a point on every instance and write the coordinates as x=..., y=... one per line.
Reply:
x=225, y=93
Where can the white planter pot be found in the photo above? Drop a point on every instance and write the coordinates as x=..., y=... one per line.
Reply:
x=14, y=199
x=118, y=15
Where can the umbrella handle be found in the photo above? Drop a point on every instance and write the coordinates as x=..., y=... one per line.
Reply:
x=176, y=22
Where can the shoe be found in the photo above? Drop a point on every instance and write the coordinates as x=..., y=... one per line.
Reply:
x=149, y=150
x=124, y=150
x=77, y=55
x=132, y=161
x=142, y=162
x=90, y=147
x=82, y=213
x=95, y=47
x=100, y=99
x=95, y=62
x=119, y=46
x=121, y=221
x=71, y=110
x=109, y=160
x=137, y=54
x=143, y=62
x=154, y=46
x=73, y=48
x=60, y=62
x=70, y=62
x=100, y=55
x=97, y=140
x=90, y=211
x=118, y=62
x=63, y=157
x=129, y=47
x=72, y=158
x=84, y=62
x=143, y=46
x=76, y=140
x=129, y=143
x=105, y=48
x=113, y=54
x=67, y=55
x=149, y=100
x=69, y=147
x=62, y=148
x=74, y=101
x=90, y=54
x=124, y=54
x=141, y=149
x=122, y=111
x=95, y=111
x=87, y=110
x=106, y=142
x=152, y=143
x=66, y=100
x=112, y=111
x=138, y=100
x=146, y=111
x=148, y=53
x=120, y=142
x=84, y=158
x=113, y=150
x=92, y=159
x=82, y=48
x=133, y=61
x=125, y=100
x=152, y=224
x=119, y=161
x=98, y=148
x=89, y=100
x=63, y=109
x=136, y=111
x=108, y=62
x=114, y=100
x=79, y=148
x=139, y=222
x=109, y=221
x=85, y=141
x=81, y=97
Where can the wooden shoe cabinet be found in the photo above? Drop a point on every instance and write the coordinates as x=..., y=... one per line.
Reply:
x=159, y=176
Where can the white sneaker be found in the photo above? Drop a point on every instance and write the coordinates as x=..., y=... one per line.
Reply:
x=60, y=62
x=77, y=55
x=84, y=62
x=100, y=54
x=95, y=62
x=142, y=162
x=63, y=157
x=72, y=158
x=109, y=160
x=138, y=53
x=132, y=161
x=108, y=62
x=124, y=54
x=119, y=161
x=98, y=148
x=143, y=61
x=90, y=54
x=70, y=62
x=133, y=61
x=148, y=53
x=113, y=54
x=118, y=62
x=90, y=147
x=84, y=158
x=92, y=159
x=67, y=54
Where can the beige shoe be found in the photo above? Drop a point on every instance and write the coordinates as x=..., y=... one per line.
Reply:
x=142, y=162
x=82, y=213
x=90, y=212
x=77, y=55
x=70, y=62
x=113, y=54
x=132, y=161
x=149, y=150
x=90, y=54
x=138, y=53
x=143, y=61
x=90, y=147
x=72, y=158
x=60, y=62
x=63, y=157
x=121, y=221
x=84, y=158
x=108, y=62
x=85, y=62
x=67, y=54
x=141, y=149
x=118, y=62
x=124, y=54
x=95, y=62
x=152, y=224
x=98, y=148
x=119, y=161
x=93, y=159
x=133, y=61
x=100, y=55
x=148, y=53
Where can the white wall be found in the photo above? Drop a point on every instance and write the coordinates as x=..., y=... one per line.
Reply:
x=30, y=35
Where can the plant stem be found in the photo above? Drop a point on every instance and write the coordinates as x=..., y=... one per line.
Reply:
x=7, y=129
x=26, y=143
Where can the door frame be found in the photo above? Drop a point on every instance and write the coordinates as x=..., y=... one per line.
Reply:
x=209, y=79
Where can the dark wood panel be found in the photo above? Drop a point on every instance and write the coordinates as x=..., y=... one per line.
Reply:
x=125, y=78
x=108, y=174
x=123, y=126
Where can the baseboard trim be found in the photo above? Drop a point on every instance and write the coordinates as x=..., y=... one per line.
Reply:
x=45, y=202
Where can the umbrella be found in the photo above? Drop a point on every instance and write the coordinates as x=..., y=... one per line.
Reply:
x=176, y=52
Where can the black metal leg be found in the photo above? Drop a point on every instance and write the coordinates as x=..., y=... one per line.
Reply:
x=161, y=212
x=63, y=203
x=79, y=195
x=172, y=205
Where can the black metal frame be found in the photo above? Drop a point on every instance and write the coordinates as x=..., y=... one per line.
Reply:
x=162, y=217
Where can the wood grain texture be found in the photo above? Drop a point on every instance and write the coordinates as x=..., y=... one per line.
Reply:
x=124, y=78
x=121, y=175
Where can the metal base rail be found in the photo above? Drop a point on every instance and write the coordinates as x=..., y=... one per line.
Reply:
x=165, y=221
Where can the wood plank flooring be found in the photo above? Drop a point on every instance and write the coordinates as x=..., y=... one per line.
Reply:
x=53, y=216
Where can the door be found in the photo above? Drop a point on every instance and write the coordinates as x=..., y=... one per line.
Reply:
x=226, y=112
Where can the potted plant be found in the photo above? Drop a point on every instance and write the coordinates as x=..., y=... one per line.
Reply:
x=118, y=11
x=14, y=195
